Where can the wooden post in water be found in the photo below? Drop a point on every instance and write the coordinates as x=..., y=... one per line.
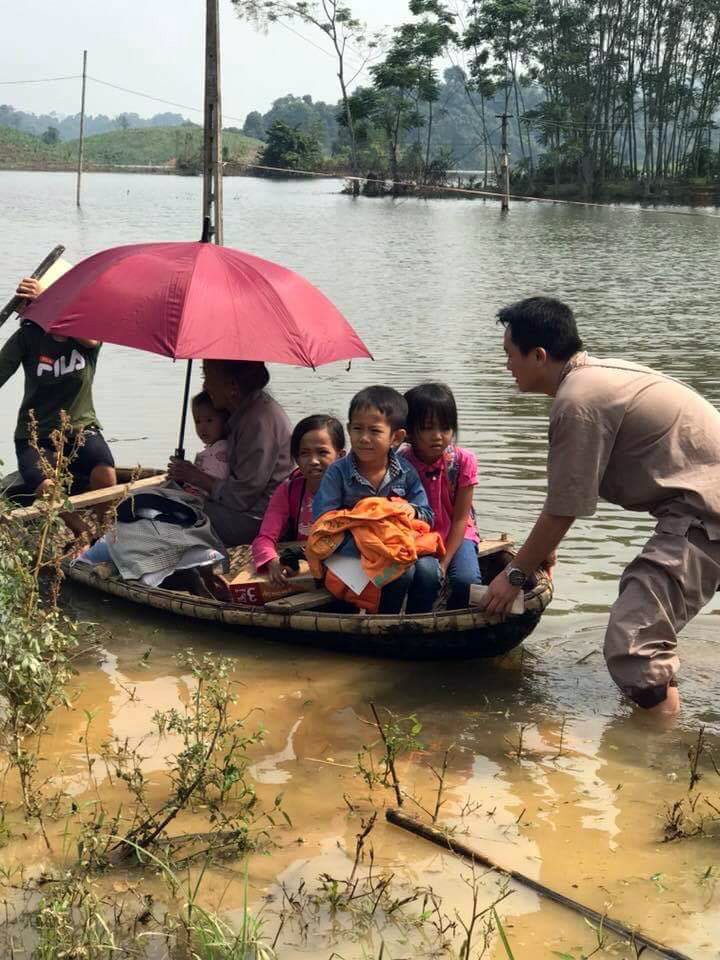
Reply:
x=212, y=164
x=82, y=128
x=504, y=164
x=212, y=140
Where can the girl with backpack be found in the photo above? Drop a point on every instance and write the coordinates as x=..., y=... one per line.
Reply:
x=449, y=474
x=316, y=442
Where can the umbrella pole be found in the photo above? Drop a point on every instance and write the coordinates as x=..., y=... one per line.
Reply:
x=180, y=452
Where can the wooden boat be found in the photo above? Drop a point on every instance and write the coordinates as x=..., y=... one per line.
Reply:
x=302, y=619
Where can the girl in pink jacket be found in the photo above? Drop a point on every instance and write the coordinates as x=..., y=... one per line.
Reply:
x=316, y=442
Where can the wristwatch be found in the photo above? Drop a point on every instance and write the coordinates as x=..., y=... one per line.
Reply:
x=516, y=576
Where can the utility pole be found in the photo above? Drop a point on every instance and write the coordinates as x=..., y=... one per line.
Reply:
x=504, y=163
x=212, y=141
x=82, y=128
x=212, y=165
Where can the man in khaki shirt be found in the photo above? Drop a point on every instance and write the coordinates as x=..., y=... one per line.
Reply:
x=641, y=440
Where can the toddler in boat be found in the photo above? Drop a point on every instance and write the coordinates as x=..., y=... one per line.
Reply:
x=448, y=474
x=316, y=442
x=376, y=428
x=211, y=428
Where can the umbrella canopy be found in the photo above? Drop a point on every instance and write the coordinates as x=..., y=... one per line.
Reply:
x=188, y=300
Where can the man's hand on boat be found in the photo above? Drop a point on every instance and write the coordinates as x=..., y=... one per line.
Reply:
x=550, y=562
x=500, y=595
x=182, y=471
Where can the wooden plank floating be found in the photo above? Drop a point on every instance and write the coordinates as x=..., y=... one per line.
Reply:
x=93, y=498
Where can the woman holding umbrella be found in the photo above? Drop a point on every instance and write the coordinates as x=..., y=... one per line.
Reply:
x=258, y=449
x=59, y=374
x=234, y=311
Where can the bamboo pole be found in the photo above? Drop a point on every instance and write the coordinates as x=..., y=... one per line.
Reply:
x=92, y=498
x=82, y=129
x=15, y=304
x=212, y=136
x=457, y=846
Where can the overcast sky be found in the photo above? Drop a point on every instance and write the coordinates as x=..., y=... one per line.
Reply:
x=156, y=47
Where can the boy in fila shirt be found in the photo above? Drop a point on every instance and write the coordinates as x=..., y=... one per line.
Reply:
x=59, y=374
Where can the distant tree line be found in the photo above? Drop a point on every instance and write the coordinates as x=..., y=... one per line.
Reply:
x=597, y=90
x=454, y=130
x=68, y=128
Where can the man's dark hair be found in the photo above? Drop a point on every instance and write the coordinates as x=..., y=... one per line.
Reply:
x=318, y=421
x=431, y=402
x=542, y=322
x=391, y=404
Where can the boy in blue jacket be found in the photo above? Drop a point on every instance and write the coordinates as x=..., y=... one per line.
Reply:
x=376, y=428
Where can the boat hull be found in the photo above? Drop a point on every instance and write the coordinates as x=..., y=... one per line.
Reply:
x=445, y=635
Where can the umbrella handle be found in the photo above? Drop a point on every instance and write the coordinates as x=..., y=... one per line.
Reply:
x=180, y=452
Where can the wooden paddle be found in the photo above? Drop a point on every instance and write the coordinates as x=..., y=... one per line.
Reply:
x=16, y=304
x=93, y=498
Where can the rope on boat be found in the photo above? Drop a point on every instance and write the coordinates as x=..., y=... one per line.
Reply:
x=624, y=208
x=458, y=847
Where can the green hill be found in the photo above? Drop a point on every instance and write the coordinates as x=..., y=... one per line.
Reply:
x=155, y=146
x=147, y=146
x=18, y=148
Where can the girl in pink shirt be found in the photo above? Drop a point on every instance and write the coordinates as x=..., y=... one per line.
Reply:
x=316, y=442
x=449, y=475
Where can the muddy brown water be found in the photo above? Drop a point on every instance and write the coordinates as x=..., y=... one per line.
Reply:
x=421, y=282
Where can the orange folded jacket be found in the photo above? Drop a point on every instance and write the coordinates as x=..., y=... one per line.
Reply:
x=388, y=538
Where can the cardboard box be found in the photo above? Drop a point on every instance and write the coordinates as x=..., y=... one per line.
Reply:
x=249, y=588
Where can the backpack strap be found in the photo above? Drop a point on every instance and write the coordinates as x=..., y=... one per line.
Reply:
x=452, y=470
x=296, y=495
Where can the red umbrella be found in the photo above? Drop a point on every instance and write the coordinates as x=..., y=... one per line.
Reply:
x=196, y=300
x=188, y=300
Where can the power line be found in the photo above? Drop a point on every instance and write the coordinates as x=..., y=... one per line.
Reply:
x=360, y=64
x=5, y=83
x=148, y=96
x=302, y=36
x=485, y=193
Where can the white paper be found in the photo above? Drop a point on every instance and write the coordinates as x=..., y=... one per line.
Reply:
x=349, y=570
x=477, y=594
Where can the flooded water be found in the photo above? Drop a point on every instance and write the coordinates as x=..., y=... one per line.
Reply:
x=421, y=282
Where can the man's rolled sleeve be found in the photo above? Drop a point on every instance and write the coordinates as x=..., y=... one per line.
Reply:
x=577, y=457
